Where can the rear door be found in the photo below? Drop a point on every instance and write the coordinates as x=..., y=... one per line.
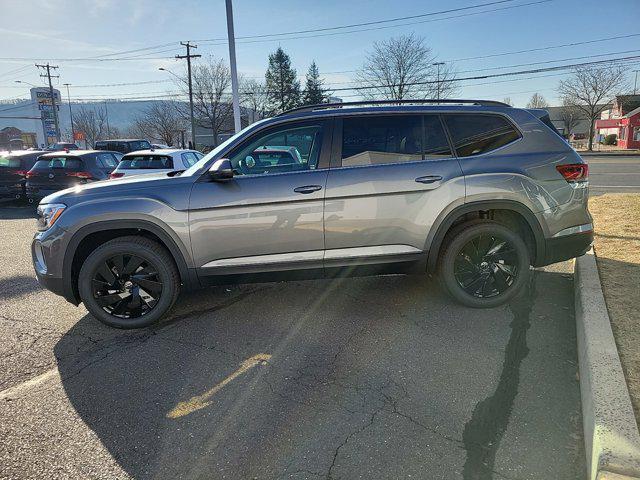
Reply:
x=390, y=177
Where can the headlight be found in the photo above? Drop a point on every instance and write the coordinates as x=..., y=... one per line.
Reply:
x=48, y=214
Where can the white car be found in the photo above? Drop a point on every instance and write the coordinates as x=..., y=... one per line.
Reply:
x=155, y=161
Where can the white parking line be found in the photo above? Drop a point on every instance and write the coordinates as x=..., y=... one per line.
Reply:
x=34, y=382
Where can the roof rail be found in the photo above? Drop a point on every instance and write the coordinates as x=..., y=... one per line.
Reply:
x=323, y=106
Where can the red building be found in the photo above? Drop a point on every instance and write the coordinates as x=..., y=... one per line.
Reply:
x=623, y=120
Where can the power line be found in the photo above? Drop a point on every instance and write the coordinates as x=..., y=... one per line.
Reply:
x=353, y=25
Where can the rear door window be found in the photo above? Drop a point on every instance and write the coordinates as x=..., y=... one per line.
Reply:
x=475, y=134
x=189, y=158
x=392, y=139
x=146, y=162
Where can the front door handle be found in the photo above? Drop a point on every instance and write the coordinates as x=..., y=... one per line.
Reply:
x=307, y=189
x=429, y=179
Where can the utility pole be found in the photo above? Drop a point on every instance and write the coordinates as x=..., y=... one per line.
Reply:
x=438, y=65
x=234, y=70
x=189, y=56
x=48, y=68
x=635, y=84
x=73, y=132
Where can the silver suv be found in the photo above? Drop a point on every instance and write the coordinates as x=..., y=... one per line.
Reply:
x=474, y=190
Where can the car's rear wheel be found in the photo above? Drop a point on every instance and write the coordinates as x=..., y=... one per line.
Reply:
x=129, y=282
x=484, y=264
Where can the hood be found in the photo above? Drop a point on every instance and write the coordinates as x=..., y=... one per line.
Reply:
x=136, y=185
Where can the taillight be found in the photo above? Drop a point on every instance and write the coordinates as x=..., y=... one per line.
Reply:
x=84, y=175
x=116, y=175
x=31, y=174
x=574, y=172
x=22, y=173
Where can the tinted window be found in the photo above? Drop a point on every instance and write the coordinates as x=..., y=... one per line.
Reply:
x=9, y=162
x=286, y=149
x=106, y=161
x=145, y=162
x=392, y=139
x=476, y=134
x=101, y=146
x=139, y=145
x=66, y=163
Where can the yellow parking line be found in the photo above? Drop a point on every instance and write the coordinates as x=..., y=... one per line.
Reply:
x=201, y=401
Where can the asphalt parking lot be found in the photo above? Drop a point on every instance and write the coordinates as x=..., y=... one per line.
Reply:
x=613, y=173
x=379, y=377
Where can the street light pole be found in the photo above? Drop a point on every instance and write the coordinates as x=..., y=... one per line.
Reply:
x=437, y=65
x=635, y=84
x=234, y=70
x=73, y=132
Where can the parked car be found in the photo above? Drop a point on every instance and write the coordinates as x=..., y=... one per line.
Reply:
x=123, y=145
x=475, y=191
x=159, y=146
x=13, y=171
x=59, y=146
x=152, y=161
x=59, y=170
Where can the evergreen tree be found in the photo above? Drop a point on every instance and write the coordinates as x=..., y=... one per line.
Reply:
x=313, y=91
x=282, y=85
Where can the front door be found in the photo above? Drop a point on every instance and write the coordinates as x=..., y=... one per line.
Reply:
x=392, y=176
x=268, y=217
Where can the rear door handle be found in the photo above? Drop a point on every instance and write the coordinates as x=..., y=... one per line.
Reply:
x=429, y=179
x=307, y=189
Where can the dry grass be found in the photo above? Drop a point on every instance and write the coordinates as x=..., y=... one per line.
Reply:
x=617, y=247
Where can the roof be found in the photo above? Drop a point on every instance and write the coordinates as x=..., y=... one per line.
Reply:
x=22, y=153
x=633, y=112
x=628, y=103
x=124, y=140
x=74, y=153
x=160, y=151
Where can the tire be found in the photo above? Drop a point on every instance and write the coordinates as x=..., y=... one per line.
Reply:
x=477, y=275
x=129, y=282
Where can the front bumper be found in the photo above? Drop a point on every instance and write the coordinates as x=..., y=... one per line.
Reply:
x=51, y=280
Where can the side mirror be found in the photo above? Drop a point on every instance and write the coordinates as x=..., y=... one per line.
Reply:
x=221, y=170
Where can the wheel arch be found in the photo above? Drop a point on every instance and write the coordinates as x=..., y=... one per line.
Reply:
x=86, y=239
x=485, y=209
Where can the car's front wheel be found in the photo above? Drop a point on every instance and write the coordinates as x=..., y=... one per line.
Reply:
x=484, y=264
x=129, y=282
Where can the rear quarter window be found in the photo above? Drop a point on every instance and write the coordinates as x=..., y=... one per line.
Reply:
x=475, y=134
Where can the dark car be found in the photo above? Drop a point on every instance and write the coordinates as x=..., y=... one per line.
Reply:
x=123, y=145
x=60, y=170
x=59, y=146
x=13, y=170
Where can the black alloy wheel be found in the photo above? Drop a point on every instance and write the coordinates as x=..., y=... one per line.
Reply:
x=129, y=282
x=484, y=264
x=127, y=286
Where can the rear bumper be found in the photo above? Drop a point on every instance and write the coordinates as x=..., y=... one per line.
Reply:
x=559, y=249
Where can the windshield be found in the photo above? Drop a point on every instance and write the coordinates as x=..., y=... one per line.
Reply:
x=195, y=168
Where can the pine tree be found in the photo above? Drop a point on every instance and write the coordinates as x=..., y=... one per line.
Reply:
x=313, y=91
x=282, y=84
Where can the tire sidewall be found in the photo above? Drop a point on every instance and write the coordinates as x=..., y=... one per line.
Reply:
x=108, y=250
x=459, y=239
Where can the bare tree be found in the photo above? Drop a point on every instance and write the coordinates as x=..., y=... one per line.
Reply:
x=404, y=68
x=570, y=117
x=161, y=121
x=537, y=101
x=211, y=99
x=589, y=89
x=92, y=122
x=508, y=101
x=254, y=96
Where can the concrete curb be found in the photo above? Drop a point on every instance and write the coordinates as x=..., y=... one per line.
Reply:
x=612, y=442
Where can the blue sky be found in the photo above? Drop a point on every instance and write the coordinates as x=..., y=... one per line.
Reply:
x=64, y=29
